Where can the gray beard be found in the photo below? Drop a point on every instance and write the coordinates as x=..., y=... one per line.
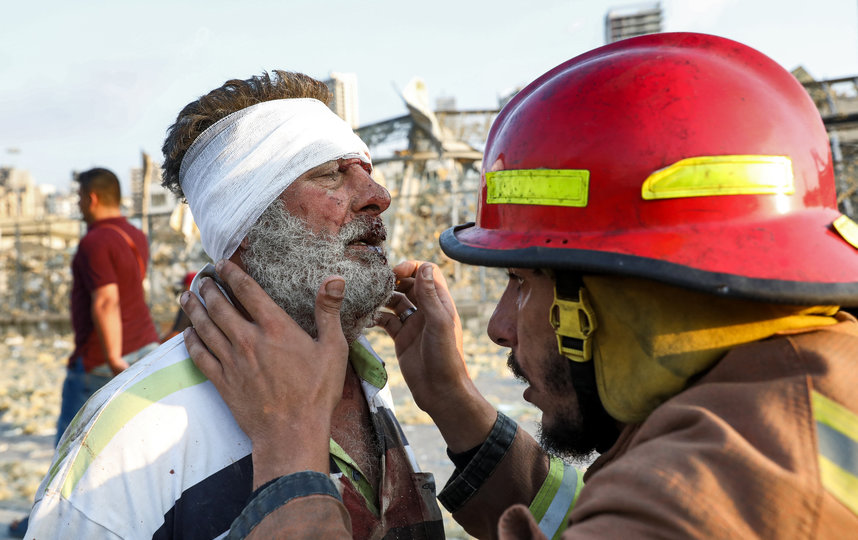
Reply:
x=290, y=262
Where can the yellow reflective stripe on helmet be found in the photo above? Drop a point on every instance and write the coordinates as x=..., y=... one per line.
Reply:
x=707, y=176
x=543, y=187
x=556, y=498
x=837, y=437
x=848, y=229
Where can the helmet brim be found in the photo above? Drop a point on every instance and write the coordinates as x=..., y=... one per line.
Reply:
x=469, y=244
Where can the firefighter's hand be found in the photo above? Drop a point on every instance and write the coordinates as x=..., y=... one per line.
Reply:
x=429, y=350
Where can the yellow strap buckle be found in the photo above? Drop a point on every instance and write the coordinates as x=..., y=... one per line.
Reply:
x=574, y=321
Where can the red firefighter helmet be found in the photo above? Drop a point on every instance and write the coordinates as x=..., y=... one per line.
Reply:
x=684, y=158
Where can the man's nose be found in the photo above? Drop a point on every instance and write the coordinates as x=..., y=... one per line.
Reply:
x=502, y=325
x=370, y=198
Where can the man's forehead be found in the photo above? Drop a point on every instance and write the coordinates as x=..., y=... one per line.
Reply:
x=325, y=165
x=334, y=163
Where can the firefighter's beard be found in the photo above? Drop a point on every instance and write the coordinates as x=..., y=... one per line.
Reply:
x=578, y=424
x=290, y=262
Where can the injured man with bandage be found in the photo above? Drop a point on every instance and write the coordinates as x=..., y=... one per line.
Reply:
x=281, y=187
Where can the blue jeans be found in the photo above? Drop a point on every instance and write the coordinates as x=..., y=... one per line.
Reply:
x=80, y=385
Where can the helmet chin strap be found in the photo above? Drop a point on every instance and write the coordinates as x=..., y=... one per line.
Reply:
x=573, y=319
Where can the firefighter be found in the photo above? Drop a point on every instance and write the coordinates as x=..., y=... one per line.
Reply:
x=677, y=192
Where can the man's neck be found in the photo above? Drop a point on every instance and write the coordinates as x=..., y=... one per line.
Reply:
x=105, y=213
x=351, y=427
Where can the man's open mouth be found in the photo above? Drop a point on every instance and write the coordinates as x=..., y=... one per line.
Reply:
x=376, y=248
x=370, y=236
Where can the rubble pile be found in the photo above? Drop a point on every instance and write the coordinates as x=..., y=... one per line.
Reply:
x=415, y=224
x=36, y=279
x=171, y=257
x=32, y=369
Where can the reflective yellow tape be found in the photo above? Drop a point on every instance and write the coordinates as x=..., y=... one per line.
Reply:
x=839, y=483
x=835, y=415
x=549, y=489
x=543, y=187
x=555, y=499
x=848, y=229
x=837, y=441
x=707, y=176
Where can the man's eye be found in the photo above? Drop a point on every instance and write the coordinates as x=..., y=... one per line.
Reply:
x=328, y=175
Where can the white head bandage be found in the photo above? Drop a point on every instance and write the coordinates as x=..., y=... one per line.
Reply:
x=244, y=161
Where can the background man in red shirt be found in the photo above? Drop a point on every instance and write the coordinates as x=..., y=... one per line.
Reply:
x=111, y=321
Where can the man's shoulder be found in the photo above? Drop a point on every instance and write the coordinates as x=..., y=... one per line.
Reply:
x=794, y=354
x=158, y=406
x=101, y=236
x=130, y=228
x=756, y=397
x=107, y=228
x=96, y=238
x=158, y=428
x=166, y=375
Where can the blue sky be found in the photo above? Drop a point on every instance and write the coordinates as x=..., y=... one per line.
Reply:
x=92, y=83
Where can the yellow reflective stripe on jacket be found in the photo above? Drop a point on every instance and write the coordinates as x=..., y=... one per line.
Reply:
x=707, y=176
x=837, y=437
x=542, y=187
x=556, y=497
x=116, y=413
